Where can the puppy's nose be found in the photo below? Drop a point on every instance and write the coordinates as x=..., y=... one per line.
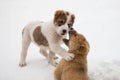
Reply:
x=64, y=31
x=71, y=32
x=71, y=28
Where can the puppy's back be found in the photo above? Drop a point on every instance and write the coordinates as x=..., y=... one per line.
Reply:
x=73, y=75
x=74, y=72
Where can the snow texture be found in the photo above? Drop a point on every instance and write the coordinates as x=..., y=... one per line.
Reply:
x=98, y=20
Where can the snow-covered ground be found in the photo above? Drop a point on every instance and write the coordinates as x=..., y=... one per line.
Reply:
x=98, y=20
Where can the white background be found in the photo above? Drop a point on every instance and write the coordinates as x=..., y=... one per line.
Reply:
x=98, y=20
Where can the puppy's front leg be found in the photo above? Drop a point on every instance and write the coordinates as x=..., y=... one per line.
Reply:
x=56, y=48
x=51, y=58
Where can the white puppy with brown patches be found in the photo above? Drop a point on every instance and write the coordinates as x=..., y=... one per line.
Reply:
x=48, y=36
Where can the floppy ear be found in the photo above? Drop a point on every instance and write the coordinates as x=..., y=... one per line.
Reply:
x=59, y=15
x=73, y=17
x=66, y=41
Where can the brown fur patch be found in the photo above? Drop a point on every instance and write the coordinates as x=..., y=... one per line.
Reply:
x=67, y=13
x=60, y=17
x=39, y=38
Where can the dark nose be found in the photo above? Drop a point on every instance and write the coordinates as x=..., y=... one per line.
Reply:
x=71, y=32
x=71, y=29
x=64, y=31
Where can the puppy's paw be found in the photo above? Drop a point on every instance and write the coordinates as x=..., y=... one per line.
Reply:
x=22, y=64
x=56, y=58
x=69, y=56
x=53, y=62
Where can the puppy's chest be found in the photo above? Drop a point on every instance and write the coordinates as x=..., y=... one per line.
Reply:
x=38, y=37
x=56, y=38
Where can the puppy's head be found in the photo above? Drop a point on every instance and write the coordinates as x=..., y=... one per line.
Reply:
x=63, y=21
x=77, y=43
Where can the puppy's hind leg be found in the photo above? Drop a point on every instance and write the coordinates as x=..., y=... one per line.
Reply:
x=25, y=44
x=43, y=51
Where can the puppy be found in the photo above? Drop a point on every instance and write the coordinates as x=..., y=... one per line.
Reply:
x=48, y=36
x=75, y=69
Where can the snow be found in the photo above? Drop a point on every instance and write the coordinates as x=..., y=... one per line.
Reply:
x=98, y=20
x=108, y=70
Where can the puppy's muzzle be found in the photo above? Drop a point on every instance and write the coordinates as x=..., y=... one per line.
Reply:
x=72, y=32
x=64, y=32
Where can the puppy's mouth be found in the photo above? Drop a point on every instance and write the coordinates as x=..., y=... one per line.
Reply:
x=63, y=33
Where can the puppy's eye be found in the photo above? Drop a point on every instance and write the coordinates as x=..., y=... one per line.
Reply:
x=60, y=23
x=75, y=35
x=82, y=46
x=69, y=25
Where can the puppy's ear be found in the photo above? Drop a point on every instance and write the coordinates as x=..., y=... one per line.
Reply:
x=60, y=17
x=73, y=17
x=66, y=41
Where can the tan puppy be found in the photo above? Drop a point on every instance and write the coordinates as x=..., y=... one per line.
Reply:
x=77, y=68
